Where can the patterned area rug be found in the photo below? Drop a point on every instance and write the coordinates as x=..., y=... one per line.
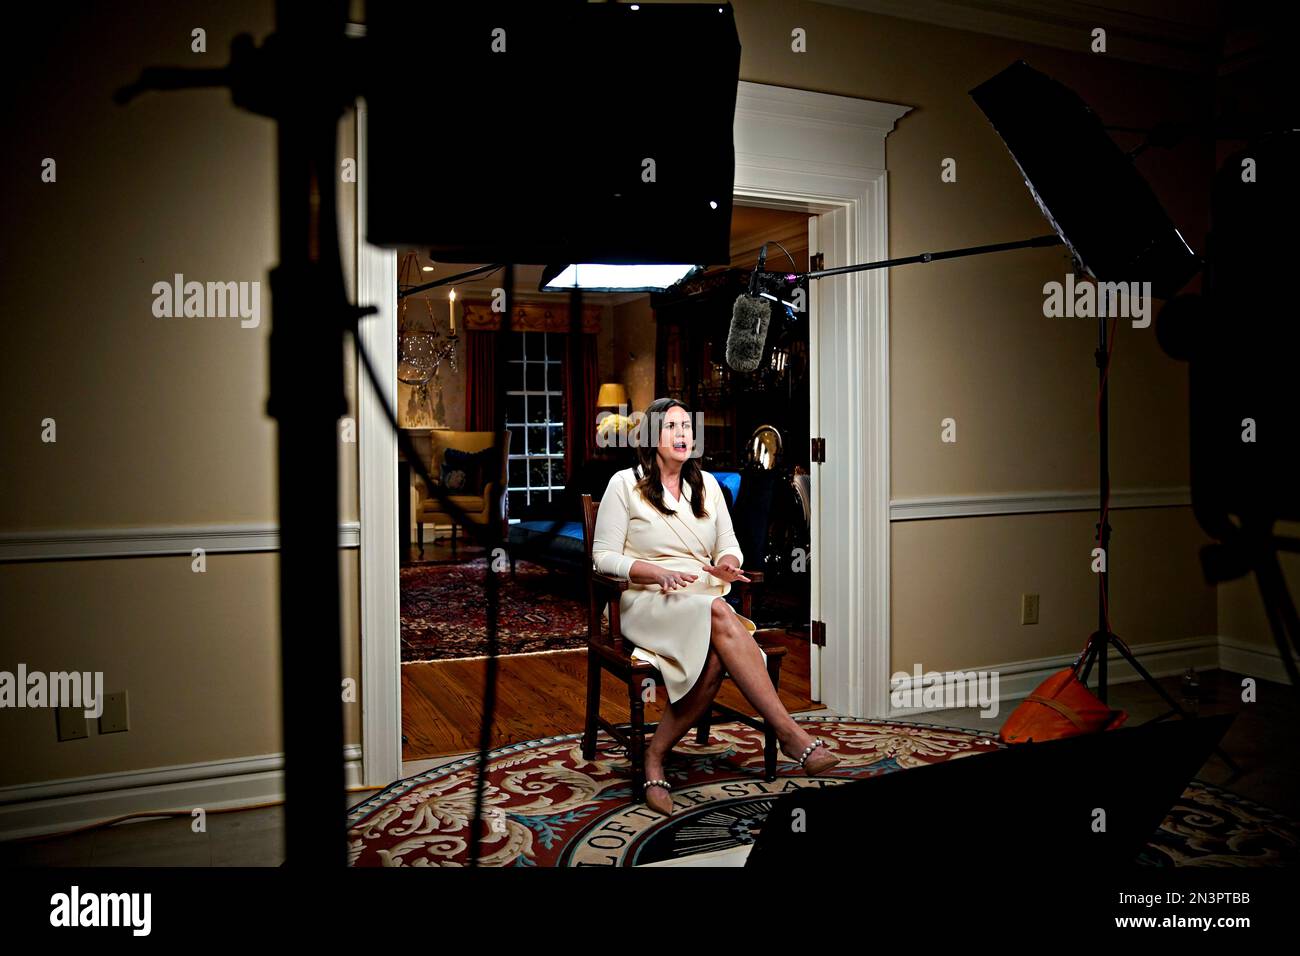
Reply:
x=1210, y=826
x=547, y=806
x=444, y=611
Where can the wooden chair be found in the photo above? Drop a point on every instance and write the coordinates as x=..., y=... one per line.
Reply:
x=608, y=650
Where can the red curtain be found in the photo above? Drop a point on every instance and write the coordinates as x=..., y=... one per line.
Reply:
x=581, y=387
x=480, y=380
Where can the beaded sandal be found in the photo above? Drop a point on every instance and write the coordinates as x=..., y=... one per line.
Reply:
x=666, y=805
x=821, y=764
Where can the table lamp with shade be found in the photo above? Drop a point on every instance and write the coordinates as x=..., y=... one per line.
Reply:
x=614, y=421
x=612, y=395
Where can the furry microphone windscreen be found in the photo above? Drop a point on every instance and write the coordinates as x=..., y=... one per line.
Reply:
x=749, y=320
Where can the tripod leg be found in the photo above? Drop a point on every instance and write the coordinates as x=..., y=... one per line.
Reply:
x=1089, y=657
x=1279, y=607
x=1177, y=708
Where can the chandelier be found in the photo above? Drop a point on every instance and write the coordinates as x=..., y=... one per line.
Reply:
x=420, y=350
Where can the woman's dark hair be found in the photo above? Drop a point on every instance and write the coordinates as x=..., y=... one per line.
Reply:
x=647, y=444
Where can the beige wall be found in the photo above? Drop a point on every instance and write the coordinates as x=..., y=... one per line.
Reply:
x=160, y=421
x=968, y=340
x=957, y=584
x=196, y=653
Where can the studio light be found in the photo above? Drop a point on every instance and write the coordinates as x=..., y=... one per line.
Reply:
x=612, y=277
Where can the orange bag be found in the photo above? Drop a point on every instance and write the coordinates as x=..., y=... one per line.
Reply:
x=1060, y=706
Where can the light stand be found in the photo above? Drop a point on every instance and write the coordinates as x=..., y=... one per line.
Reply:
x=303, y=77
x=282, y=80
x=1099, y=643
x=1102, y=639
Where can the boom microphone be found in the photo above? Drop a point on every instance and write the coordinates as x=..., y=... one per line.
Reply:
x=749, y=320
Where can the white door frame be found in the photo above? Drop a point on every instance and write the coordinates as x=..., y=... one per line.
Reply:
x=381, y=656
x=794, y=149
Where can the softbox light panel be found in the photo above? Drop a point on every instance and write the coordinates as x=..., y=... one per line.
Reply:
x=552, y=132
x=1084, y=184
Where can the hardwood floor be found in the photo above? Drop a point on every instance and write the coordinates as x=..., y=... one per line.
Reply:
x=539, y=695
x=437, y=549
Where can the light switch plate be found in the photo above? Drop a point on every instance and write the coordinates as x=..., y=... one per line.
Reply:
x=1029, y=609
x=115, y=717
x=72, y=723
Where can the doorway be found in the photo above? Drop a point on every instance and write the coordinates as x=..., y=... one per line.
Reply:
x=753, y=437
x=814, y=153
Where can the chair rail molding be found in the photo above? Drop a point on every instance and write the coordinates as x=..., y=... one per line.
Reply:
x=1034, y=502
x=73, y=544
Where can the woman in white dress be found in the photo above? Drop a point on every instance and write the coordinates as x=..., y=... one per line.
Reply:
x=664, y=527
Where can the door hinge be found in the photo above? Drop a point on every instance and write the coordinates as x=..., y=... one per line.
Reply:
x=817, y=263
x=818, y=451
x=818, y=634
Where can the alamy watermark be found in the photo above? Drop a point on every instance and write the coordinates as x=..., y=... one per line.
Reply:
x=75, y=908
x=209, y=300
x=1091, y=300
x=55, y=689
x=940, y=691
x=620, y=429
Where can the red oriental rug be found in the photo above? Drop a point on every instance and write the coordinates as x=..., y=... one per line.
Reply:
x=444, y=611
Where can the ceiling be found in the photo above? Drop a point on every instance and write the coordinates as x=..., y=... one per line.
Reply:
x=750, y=228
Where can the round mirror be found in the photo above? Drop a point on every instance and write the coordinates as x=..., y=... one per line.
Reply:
x=764, y=447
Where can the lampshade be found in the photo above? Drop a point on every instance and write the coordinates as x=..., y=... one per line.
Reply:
x=612, y=395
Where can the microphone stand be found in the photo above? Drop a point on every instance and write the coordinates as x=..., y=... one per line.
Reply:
x=1102, y=638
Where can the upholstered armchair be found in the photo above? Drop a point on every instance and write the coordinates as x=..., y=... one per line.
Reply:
x=477, y=500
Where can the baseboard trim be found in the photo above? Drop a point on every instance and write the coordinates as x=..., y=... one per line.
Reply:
x=1254, y=660
x=36, y=809
x=1018, y=679
x=966, y=506
x=81, y=543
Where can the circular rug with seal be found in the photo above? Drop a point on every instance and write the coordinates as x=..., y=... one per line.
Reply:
x=545, y=805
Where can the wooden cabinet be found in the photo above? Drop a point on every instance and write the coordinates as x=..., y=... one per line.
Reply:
x=692, y=323
x=691, y=329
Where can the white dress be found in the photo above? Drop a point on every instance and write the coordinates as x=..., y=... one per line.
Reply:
x=670, y=629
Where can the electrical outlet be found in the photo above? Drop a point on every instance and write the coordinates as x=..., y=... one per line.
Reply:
x=1029, y=609
x=114, y=718
x=72, y=723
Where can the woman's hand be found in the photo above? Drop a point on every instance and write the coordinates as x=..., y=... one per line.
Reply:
x=726, y=571
x=647, y=572
x=670, y=580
